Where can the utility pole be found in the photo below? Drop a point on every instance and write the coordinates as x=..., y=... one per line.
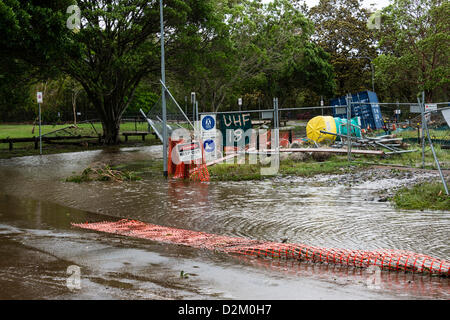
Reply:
x=163, y=97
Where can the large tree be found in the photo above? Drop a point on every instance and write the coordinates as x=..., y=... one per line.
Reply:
x=341, y=30
x=114, y=47
x=256, y=50
x=415, y=42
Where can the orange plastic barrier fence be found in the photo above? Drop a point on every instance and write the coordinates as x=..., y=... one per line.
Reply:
x=387, y=259
x=196, y=170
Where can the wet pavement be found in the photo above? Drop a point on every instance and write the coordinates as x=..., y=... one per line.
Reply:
x=38, y=245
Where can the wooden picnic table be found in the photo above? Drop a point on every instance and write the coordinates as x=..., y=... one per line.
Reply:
x=143, y=134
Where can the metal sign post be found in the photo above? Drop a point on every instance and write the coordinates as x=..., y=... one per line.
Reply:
x=163, y=79
x=193, y=106
x=39, y=101
x=321, y=103
x=196, y=111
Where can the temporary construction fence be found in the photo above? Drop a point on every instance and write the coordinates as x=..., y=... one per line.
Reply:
x=385, y=259
x=356, y=122
x=194, y=170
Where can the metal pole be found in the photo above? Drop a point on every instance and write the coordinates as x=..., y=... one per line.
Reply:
x=277, y=125
x=193, y=106
x=197, y=122
x=321, y=103
x=422, y=137
x=432, y=147
x=373, y=75
x=196, y=111
x=163, y=79
x=40, y=132
x=276, y=132
x=349, y=141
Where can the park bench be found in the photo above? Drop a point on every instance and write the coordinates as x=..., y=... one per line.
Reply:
x=143, y=134
x=11, y=141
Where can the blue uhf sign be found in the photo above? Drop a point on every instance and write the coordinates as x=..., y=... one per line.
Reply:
x=235, y=128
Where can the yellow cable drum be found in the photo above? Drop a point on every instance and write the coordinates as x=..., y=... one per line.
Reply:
x=316, y=124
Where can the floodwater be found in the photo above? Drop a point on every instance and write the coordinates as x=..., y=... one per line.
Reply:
x=37, y=243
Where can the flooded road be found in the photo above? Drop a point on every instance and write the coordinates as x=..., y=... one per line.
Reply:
x=38, y=244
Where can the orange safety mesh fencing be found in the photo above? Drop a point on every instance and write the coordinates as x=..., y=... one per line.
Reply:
x=200, y=173
x=387, y=259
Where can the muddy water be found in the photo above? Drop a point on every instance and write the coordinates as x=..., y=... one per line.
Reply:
x=320, y=211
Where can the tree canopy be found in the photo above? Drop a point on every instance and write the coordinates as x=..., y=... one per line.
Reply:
x=221, y=49
x=414, y=42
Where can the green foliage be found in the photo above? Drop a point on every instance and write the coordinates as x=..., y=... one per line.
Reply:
x=414, y=40
x=116, y=46
x=341, y=30
x=221, y=49
x=256, y=51
x=143, y=99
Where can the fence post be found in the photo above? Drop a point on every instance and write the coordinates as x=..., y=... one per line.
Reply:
x=431, y=145
x=422, y=137
x=349, y=140
x=40, y=130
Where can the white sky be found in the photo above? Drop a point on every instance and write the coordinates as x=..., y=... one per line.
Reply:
x=378, y=4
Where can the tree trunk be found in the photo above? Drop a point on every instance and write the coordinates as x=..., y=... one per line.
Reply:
x=111, y=131
x=428, y=96
x=110, y=114
x=110, y=106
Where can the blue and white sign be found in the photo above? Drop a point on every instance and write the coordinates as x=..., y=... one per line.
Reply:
x=209, y=145
x=208, y=122
x=209, y=135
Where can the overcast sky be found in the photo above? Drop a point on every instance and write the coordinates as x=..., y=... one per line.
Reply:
x=378, y=4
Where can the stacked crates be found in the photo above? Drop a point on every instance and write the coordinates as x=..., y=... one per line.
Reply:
x=366, y=108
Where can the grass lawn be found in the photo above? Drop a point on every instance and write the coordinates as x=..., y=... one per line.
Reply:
x=423, y=196
x=85, y=129
x=246, y=171
x=26, y=130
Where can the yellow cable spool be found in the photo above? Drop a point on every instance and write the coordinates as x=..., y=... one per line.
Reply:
x=316, y=124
